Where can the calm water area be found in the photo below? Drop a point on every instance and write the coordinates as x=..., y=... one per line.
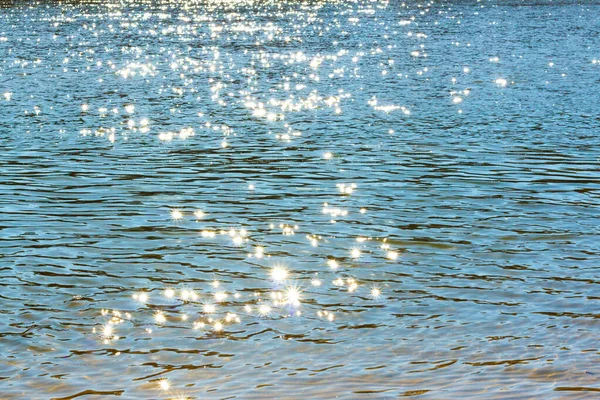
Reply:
x=299, y=199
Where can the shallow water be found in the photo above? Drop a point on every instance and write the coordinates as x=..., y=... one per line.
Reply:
x=445, y=155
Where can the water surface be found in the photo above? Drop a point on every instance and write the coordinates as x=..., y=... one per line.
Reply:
x=396, y=199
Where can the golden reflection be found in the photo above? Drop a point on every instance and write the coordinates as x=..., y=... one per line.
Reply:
x=164, y=385
x=160, y=318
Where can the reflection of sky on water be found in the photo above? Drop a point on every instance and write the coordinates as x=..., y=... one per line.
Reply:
x=298, y=199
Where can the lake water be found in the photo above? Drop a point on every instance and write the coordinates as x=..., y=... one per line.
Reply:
x=299, y=199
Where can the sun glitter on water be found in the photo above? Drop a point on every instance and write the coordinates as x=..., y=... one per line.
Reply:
x=176, y=214
x=279, y=274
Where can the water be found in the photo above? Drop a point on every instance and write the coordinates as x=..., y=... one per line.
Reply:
x=454, y=144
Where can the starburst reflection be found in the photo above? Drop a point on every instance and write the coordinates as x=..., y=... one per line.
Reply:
x=176, y=214
x=259, y=252
x=141, y=297
x=264, y=309
x=108, y=331
x=209, y=308
x=217, y=326
x=160, y=318
x=164, y=385
x=333, y=264
x=292, y=296
x=375, y=292
x=220, y=297
x=279, y=274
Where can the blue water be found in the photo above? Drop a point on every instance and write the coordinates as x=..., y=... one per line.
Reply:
x=379, y=199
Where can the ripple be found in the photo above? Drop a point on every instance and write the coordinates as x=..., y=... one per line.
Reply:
x=288, y=199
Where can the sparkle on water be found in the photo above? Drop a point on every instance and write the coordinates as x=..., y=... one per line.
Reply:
x=299, y=199
x=279, y=274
